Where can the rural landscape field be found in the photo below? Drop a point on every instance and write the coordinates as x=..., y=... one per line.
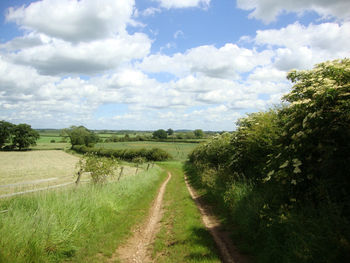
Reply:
x=174, y=131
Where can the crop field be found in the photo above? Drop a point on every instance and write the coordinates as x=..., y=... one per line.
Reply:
x=178, y=151
x=22, y=171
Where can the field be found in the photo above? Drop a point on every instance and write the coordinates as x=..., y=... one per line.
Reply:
x=21, y=171
x=83, y=224
x=178, y=151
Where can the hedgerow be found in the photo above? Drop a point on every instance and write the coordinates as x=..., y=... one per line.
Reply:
x=154, y=154
x=283, y=175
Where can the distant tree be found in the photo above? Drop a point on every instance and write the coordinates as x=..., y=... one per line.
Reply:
x=81, y=136
x=160, y=134
x=24, y=136
x=5, y=132
x=198, y=133
x=170, y=131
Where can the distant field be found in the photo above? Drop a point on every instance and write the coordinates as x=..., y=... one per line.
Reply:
x=179, y=151
x=21, y=171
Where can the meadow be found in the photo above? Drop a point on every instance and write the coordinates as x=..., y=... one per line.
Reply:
x=83, y=224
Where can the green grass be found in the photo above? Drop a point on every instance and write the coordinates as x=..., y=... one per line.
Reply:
x=178, y=151
x=182, y=237
x=84, y=224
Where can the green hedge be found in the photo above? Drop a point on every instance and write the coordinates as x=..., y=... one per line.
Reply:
x=283, y=175
x=154, y=154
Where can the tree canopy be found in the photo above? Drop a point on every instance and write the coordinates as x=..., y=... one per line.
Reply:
x=198, y=133
x=5, y=132
x=19, y=136
x=160, y=134
x=170, y=131
x=79, y=135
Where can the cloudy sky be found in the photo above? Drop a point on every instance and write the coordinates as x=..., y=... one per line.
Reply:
x=149, y=64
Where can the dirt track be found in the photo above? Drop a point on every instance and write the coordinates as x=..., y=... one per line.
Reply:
x=136, y=247
x=228, y=251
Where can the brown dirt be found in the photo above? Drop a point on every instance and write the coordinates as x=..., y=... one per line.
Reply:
x=229, y=252
x=136, y=248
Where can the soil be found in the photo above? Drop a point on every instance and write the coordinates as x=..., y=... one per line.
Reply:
x=136, y=248
x=229, y=252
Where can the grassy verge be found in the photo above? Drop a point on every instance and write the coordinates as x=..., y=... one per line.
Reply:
x=306, y=234
x=77, y=225
x=182, y=237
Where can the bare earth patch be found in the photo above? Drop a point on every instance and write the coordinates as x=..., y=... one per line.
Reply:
x=228, y=250
x=136, y=248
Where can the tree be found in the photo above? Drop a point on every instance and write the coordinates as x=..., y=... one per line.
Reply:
x=5, y=132
x=170, y=131
x=24, y=136
x=81, y=136
x=198, y=133
x=160, y=134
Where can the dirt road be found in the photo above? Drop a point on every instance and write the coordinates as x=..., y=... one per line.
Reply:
x=136, y=248
x=228, y=251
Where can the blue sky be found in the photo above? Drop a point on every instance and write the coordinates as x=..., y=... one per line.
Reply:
x=149, y=64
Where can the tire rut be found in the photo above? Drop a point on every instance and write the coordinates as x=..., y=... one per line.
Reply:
x=228, y=251
x=136, y=248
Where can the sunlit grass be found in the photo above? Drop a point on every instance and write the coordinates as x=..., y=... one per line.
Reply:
x=75, y=224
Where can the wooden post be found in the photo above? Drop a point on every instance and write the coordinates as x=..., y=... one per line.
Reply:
x=137, y=168
x=148, y=166
x=79, y=176
x=121, y=172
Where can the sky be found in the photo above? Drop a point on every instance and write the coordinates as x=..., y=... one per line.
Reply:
x=159, y=64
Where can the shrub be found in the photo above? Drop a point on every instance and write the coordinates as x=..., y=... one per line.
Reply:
x=154, y=154
x=100, y=168
x=285, y=172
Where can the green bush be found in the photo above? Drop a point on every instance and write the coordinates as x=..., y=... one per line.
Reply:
x=283, y=175
x=154, y=154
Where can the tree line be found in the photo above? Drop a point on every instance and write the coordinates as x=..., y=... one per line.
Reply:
x=19, y=136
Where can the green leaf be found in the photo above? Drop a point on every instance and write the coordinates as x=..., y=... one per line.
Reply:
x=284, y=165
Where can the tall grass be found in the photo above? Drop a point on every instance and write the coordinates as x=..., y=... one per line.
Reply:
x=85, y=224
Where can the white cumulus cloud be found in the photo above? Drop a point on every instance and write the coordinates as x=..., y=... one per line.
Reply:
x=268, y=10
x=74, y=20
x=183, y=3
x=55, y=56
x=224, y=62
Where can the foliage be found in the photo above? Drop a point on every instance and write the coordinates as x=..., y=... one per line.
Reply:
x=19, y=136
x=5, y=132
x=170, y=131
x=293, y=164
x=314, y=148
x=100, y=168
x=24, y=136
x=160, y=134
x=154, y=154
x=198, y=133
x=79, y=135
